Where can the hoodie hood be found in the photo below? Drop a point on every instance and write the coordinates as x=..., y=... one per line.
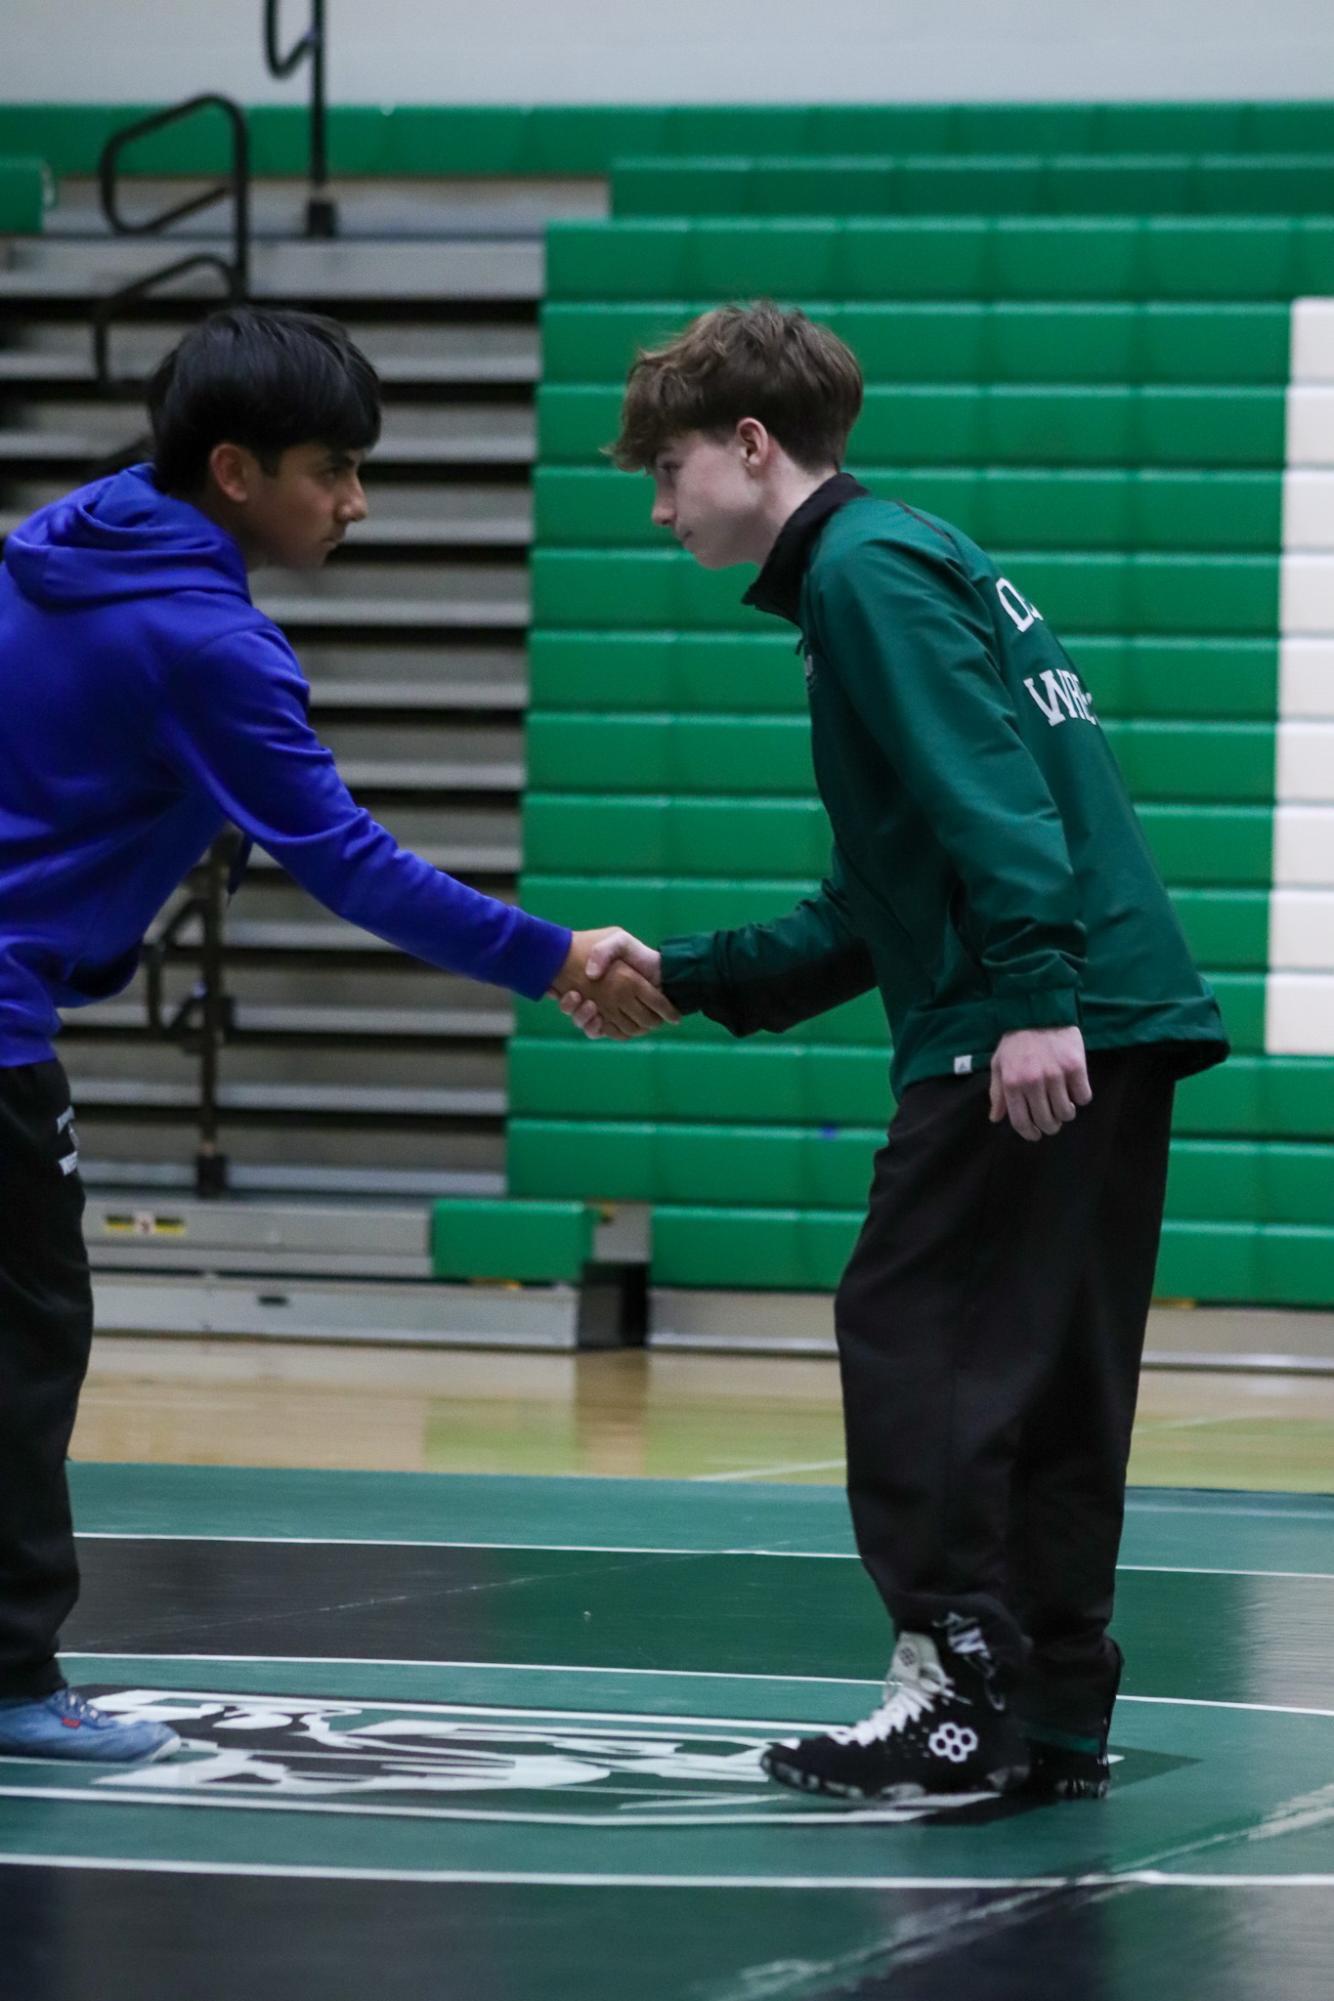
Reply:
x=121, y=538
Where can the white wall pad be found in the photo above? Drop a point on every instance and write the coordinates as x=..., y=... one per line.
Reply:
x=1305, y=678
x=1310, y=425
x=1304, y=768
x=1308, y=511
x=1306, y=594
x=1301, y=931
x=1312, y=350
x=1304, y=847
x=1299, y=1014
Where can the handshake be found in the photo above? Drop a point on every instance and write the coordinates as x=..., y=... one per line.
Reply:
x=610, y=985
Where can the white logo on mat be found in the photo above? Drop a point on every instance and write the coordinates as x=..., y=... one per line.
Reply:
x=450, y=1760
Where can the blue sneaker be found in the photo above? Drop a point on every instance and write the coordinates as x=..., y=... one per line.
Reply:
x=63, y=1725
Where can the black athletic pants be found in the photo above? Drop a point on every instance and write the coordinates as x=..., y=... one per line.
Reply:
x=990, y=1329
x=46, y=1326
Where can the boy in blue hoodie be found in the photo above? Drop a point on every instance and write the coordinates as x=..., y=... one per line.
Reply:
x=145, y=703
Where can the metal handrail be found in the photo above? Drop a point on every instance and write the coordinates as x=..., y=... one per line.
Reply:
x=234, y=270
x=205, y=1018
x=321, y=210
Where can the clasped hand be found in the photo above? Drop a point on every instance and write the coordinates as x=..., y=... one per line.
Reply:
x=611, y=985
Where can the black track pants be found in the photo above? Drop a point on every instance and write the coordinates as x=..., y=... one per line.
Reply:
x=46, y=1324
x=990, y=1328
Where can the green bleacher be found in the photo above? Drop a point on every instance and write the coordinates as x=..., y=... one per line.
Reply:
x=434, y=139
x=25, y=191
x=1082, y=361
x=1075, y=325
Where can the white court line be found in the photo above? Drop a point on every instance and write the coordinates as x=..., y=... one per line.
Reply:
x=780, y=1816
x=770, y=1472
x=627, y=1549
x=1149, y=1879
x=662, y=1674
x=489, y=1667
x=531, y=1715
x=434, y=1542
x=1138, y=1507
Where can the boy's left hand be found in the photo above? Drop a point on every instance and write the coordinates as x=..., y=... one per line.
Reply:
x=626, y=976
x=1039, y=1079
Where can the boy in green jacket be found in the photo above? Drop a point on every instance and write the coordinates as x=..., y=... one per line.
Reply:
x=990, y=878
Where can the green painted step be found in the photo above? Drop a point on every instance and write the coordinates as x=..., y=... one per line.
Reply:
x=860, y=1024
x=647, y=753
x=535, y=1242
x=666, y=1080
x=546, y=139
x=757, y=673
x=827, y=1166
x=567, y=833
x=662, y=1079
x=1005, y=425
x=761, y=755
x=1233, y=597
x=966, y=341
x=771, y=1250
x=1274, y=1265
x=1227, y=928
x=1028, y=509
x=1022, y=183
x=434, y=139
x=1191, y=259
x=25, y=190
x=1289, y=1097
x=626, y=1161
x=1223, y=596
x=1255, y=1182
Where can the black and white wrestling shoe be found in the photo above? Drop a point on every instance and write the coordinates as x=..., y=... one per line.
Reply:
x=944, y=1727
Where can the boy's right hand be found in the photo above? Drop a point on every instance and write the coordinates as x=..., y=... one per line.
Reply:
x=627, y=973
x=1039, y=1080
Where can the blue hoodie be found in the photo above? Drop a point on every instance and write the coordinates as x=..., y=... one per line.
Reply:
x=145, y=702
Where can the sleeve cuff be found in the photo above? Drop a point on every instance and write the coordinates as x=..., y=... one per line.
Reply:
x=685, y=979
x=1048, y=1007
x=537, y=953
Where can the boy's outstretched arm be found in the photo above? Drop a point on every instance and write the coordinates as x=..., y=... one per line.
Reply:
x=234, y=720
x=755, y=976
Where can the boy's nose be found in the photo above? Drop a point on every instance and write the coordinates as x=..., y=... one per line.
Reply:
x=663, y=514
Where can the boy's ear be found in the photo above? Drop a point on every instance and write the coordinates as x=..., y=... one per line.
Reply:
x=233, y=470
x=755, y=442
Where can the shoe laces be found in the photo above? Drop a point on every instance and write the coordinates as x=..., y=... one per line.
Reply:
x=77, y=1707
x=905, y=1703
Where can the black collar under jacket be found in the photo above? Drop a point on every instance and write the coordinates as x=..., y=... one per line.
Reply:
x=778, y=586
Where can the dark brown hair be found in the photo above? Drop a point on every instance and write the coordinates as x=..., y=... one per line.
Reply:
x=797, y=378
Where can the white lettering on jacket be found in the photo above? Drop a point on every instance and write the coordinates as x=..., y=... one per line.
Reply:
x=1015, y=607
x=1064, y=699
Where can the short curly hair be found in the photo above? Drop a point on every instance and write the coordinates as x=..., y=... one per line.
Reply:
x=795, y=376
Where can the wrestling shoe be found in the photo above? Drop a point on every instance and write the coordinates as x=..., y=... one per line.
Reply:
x=944, y=1727
x=64, y=1725
x=1068, y=1765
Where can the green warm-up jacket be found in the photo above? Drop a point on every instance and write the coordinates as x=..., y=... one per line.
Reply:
x=988, y=871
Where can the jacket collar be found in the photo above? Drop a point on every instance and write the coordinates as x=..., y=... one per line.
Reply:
x=777, y=588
